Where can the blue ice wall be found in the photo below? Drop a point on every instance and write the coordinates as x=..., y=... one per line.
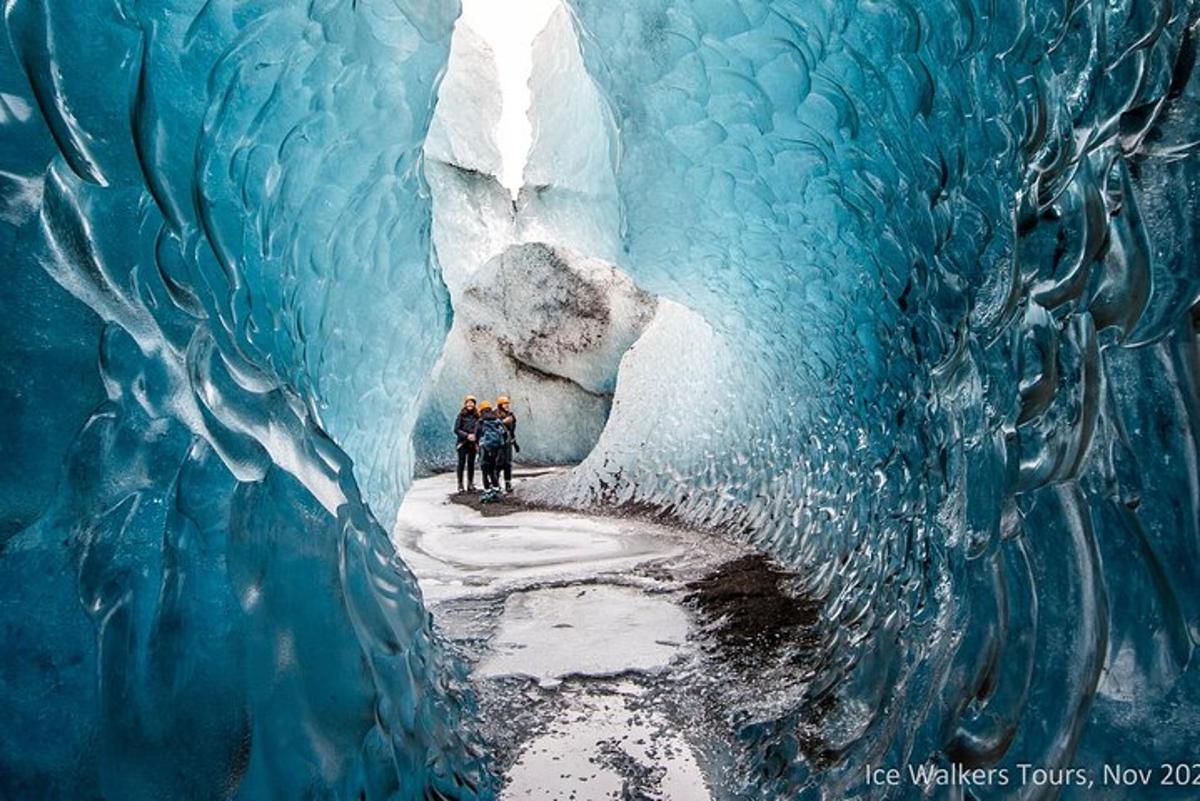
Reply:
x=218, y=307
x=956, y=245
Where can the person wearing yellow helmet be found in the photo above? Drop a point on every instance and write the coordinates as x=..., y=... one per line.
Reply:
x=505, y=413
x=464, y=431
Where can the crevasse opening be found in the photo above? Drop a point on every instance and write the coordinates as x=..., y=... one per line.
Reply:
x=541, y=313
x=508, y=29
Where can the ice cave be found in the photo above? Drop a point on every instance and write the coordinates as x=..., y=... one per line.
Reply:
x=894, y=306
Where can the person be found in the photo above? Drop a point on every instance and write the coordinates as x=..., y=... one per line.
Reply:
x=504, y=412
x=464, y=430
x=491, y=434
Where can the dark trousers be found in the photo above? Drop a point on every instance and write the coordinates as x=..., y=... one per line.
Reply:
x=491, y=468
x=506, y=459
x=466, y=457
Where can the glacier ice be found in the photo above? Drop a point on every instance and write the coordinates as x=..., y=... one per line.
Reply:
x=928, y=266
x=570, y=193
x=547, y=327
x=672, y=392
x=468, y=95
x=954, y=243
x=557, y=312
x=539, y=312
x=197, y=601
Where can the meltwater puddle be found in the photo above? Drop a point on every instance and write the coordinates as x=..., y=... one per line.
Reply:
x=601, y=630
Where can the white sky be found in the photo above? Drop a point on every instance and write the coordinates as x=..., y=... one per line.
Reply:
x=509, y=26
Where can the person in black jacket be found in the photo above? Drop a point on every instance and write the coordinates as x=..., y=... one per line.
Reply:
x=464, y=430
x=510, y=423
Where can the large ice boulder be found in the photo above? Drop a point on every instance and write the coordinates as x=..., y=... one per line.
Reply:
x=556, y=312
x=547, y=327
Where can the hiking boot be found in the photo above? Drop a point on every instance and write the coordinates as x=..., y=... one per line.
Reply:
x=460, y=486
x=508, y=489
x=470, y=488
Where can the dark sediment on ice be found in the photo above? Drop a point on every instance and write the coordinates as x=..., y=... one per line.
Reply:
x=504, y=505
x=761, y=624
x=752, y=613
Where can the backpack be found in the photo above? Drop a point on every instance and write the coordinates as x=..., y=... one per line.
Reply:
x=494, y=435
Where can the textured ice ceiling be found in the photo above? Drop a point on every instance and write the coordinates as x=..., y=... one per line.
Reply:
x=944, y=253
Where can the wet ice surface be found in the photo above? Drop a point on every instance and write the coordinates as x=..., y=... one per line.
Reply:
x=607, y=747
x=587, y=662
x=455, y=552
x=599, y=630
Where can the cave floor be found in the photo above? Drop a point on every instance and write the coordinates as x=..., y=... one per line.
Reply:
x=600, y=648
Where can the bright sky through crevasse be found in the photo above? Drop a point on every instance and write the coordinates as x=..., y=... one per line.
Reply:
x=509, y=27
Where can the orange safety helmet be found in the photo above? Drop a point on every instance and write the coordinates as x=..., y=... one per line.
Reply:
x=484, y=406
x=502, y=400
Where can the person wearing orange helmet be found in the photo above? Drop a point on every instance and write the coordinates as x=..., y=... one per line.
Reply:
x=492, y=436
x=505, y=413
x=464, y=431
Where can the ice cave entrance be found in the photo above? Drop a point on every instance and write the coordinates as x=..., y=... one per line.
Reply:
x=520, y=164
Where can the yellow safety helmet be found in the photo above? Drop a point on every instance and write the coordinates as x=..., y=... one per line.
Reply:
x=484, y=406
x=502, y=400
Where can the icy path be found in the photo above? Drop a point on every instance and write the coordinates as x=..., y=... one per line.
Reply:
x=582, y=651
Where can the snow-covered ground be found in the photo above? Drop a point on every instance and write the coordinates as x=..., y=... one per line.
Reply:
x=587, y=661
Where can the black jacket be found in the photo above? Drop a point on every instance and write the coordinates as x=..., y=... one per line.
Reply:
x=464, y=426
x=512, y=428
